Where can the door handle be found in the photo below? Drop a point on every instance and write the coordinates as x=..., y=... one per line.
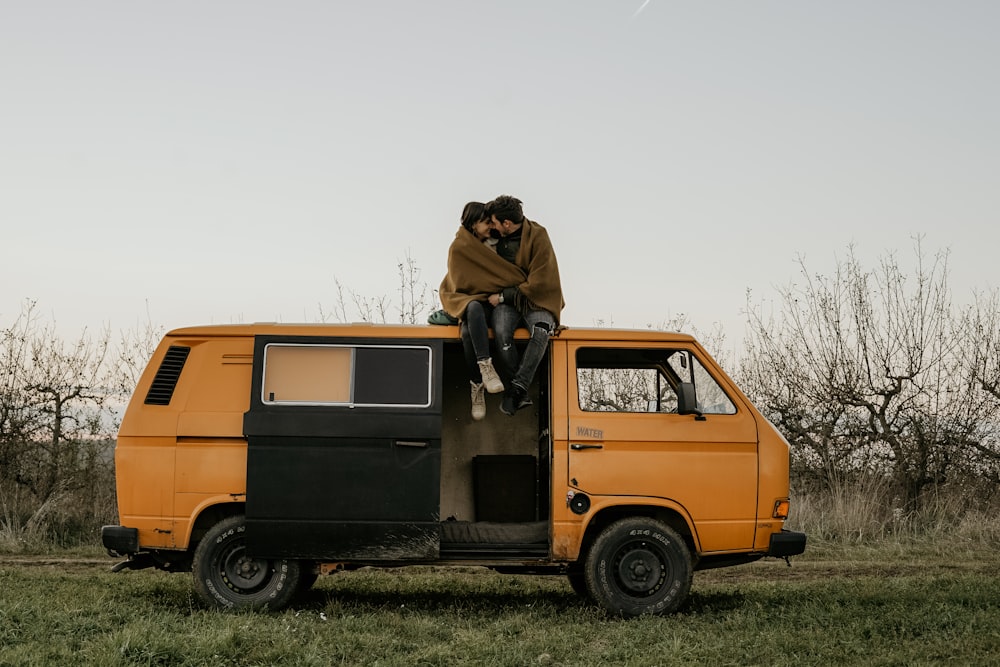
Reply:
x=578, y=446
x=410, y=443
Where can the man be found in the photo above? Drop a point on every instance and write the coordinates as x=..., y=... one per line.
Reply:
x=535, y=302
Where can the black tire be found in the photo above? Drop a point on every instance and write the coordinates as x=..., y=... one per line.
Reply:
x=226, y=577
x=639, y=566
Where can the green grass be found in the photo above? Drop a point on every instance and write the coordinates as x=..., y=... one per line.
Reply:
x=894, y=605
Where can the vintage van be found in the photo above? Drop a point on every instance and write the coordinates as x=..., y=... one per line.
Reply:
x=259, y=456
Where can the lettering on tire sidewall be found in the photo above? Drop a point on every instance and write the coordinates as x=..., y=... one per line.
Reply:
x=652, y=534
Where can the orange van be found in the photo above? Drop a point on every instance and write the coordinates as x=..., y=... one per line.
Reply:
x=259, y=456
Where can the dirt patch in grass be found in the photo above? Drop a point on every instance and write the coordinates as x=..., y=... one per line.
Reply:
x=867, y=565
x=63, y=564
x=810, y=570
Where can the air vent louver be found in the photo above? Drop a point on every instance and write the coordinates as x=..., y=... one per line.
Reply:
x=167, y=375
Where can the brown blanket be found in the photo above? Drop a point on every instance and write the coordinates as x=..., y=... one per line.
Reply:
x=475, y=272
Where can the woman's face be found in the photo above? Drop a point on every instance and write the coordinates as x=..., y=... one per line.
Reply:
x=482, y=229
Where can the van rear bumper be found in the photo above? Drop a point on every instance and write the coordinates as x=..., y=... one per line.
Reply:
x=787, y=543
x=120, y=540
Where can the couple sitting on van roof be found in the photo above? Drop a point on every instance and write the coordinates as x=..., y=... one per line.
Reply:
x=502, y=271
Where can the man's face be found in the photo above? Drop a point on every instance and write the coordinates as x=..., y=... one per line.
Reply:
x=503, y=227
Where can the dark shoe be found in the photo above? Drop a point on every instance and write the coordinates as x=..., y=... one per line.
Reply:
x=514, y=399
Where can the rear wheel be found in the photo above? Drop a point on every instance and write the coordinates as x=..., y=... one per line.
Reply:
x=225, y=576
x=639, y=566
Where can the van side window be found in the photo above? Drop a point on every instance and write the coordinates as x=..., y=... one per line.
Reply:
x=644, y=380
x=356, y=376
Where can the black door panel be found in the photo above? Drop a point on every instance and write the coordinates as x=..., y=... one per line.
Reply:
x=346, y=482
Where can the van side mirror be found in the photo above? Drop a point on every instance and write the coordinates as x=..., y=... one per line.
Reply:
x=687, y=401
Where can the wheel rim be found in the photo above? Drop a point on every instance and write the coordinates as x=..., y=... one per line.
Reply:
x=242, y=573
x=640, y=569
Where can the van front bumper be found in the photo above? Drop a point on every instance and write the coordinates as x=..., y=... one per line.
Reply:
x=120, y=540
x=787, y=543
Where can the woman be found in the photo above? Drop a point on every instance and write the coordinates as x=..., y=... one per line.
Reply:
x=464, y=296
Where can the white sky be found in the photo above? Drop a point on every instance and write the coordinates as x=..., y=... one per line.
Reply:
x=222, y=161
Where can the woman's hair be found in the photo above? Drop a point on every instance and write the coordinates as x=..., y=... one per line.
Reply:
x=473, y=212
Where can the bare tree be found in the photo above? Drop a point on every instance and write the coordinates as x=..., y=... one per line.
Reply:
x=413, y=300
x=863, y=371
x=55, y=428
x=981, y=366
x=413, y=308
x=16, y=419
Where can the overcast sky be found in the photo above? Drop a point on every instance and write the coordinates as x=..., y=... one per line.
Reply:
x=214, y=162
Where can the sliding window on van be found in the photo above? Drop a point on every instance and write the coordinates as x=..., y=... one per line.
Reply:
x=644, y=380
x=347, y=375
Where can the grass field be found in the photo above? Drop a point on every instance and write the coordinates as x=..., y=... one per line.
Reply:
x=887, y=605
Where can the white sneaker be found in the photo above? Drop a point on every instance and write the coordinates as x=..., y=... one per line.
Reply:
x=493, y=383
x=478, y=401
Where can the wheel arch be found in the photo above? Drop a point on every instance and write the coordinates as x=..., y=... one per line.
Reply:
x=673, y=517
x=209, y=515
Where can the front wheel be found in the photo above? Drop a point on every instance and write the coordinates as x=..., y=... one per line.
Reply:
x=639, y=566
x=226, y=577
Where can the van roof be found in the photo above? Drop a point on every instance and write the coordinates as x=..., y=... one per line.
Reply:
x=428, y=331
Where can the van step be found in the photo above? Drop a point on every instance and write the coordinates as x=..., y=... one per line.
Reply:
x=494, y=536
x=494, y=552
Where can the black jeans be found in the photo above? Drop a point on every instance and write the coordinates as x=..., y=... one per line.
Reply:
x=512, y=368
x=476, y=337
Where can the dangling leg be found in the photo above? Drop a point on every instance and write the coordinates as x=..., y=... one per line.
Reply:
x=475, y=322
